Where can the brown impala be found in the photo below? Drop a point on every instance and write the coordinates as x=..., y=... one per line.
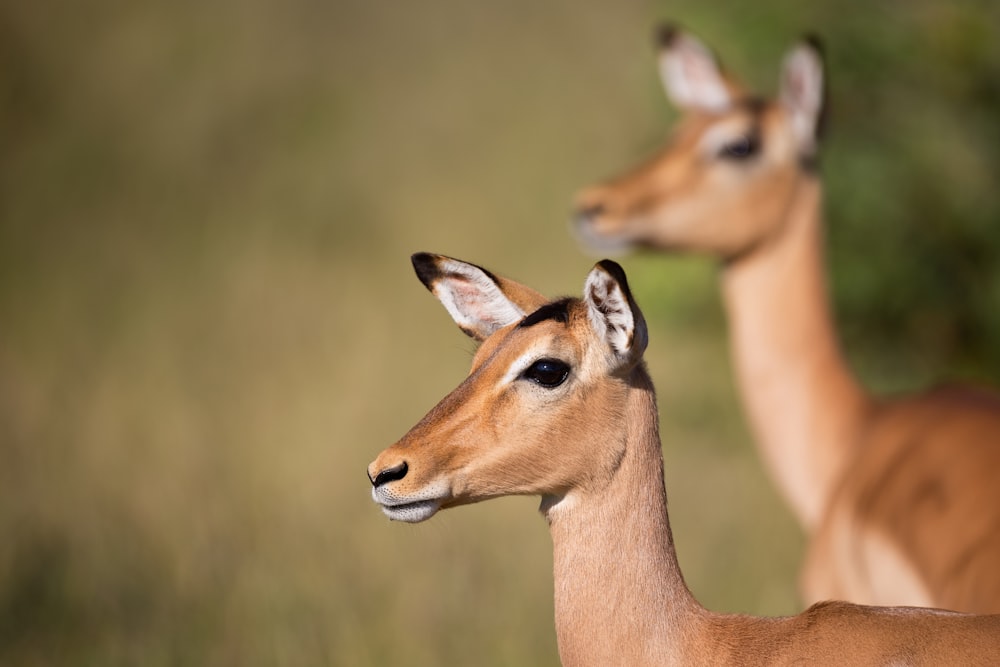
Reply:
x=900, y=498
x=559, y=404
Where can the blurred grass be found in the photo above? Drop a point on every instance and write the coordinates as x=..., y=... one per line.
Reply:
x=209, y=325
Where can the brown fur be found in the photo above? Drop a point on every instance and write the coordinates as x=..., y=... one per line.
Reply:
x=592, y=451
x=899, y=497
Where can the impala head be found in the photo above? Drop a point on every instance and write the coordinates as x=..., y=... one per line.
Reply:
x=724, y=180
x=533, y=415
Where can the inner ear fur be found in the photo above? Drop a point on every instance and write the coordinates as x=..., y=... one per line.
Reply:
x=690, y=73
x=804, y=90
x=613, y=313
x=479, y=301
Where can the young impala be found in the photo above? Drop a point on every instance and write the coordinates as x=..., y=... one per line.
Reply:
x=900, y=498
x=559, y=404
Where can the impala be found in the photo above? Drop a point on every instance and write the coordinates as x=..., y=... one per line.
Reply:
x=559, y=404
x=900, y=498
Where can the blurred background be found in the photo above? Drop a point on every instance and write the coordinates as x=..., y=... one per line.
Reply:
x=209, y=324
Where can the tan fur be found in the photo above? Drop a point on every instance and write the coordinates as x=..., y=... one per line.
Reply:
x=900, y=498
x=592, y=451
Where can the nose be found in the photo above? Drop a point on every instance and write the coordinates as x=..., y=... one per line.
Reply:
x=586, y=214
x=390, y=474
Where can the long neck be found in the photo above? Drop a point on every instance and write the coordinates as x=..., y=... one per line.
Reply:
x=803, y=403
x=619, y=594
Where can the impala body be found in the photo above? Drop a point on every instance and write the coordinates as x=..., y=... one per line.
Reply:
x=899, y=497
x=559, y=404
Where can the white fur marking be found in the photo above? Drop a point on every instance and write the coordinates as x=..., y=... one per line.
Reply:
x=411, y=508
x=720, y=135
x=522, y=363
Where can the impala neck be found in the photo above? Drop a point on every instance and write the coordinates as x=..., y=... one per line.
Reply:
x=803, y=403
x=619, y=594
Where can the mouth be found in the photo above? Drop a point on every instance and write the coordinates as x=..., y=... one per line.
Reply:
x=398, y=509
x=586, y=233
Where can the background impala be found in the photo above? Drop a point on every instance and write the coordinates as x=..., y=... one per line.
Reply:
x=897, y=495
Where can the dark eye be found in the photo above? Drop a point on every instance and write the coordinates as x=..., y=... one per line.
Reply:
x=740, y=148
x=547, y=372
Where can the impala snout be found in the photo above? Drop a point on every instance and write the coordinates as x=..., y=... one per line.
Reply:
x=596, y=225
x=591, y=205
x=400, y=492
x=587, y=215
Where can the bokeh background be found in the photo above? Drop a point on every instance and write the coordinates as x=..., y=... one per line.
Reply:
x=209, y=324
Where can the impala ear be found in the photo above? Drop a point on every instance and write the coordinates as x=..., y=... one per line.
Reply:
x=478, y=301
x=614, y=315
x=803, y=91
x=690, y=73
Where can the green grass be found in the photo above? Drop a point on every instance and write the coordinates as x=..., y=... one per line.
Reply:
x=209, y=325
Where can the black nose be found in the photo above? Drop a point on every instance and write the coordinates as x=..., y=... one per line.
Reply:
x=588, y=213
x=390, y=475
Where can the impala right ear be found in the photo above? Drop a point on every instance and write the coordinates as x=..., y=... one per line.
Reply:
x=803, y=90
x=690, y=73
x=478, y=301
x=613, y=313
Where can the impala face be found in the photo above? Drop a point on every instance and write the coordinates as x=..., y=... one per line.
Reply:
x=722, y=183
x=542, y=377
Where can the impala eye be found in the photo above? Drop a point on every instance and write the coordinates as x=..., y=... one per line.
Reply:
x=547, y=373
x=741, y=148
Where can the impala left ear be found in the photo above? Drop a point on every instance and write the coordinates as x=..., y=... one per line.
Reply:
x=479, y=301
x=691, y=76
x=613, y=312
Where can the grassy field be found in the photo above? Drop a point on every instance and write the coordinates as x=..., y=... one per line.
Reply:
x=209, y=325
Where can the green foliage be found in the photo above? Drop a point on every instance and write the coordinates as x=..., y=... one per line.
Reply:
x=910, y=162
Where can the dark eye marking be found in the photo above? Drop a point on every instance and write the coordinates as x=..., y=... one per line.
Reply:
x=741, y=148
x=557, y=310
x=548, y=373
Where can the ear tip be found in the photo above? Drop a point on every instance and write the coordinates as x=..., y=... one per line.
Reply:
x=420, y=257
x=667, y=34
x=814, y=43
x=614, y=269
x=425, y=266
